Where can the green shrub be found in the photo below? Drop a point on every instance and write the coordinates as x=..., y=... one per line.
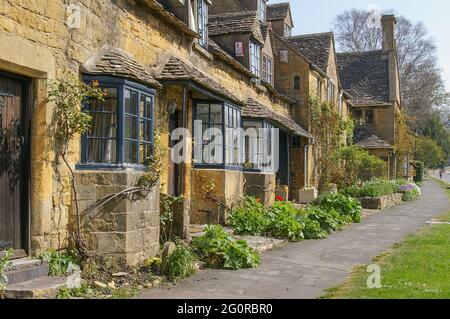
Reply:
x=419, y=171
x=181, y=263
x=345, y=205
x=250, y=219
x=410, y=196
x=372, y=189
x=60, y=263
x=4, y=263
x=329, y=220
x=220, y=250
x=284, y=222
x=312, y=229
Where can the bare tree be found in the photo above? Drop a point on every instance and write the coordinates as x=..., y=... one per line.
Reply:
x=423, y=89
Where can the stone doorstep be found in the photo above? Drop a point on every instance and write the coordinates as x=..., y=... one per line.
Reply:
x=262, y=244
x=42, y=288
x=258, y=243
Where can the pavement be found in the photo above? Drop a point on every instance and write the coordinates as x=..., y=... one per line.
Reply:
x=305, y=270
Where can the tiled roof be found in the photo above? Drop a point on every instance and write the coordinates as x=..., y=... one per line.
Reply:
x=365, y=76
x=316, y=47
x=235, y=22
x=277, y=11
x=255, y=110
x=177, y=70
x=116, y=62
x=365, y=138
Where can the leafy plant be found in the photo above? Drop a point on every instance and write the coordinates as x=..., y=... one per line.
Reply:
x=410, y=191
x=67, y=293
x=249, y=219
x=5, y=262
x=59, y=263
x=169, y=205
x=283, y=222
x=344, y=205
x=329, y=220
x=375, y=188
x=70, y=120
x=220, y=250
x=312, y=229
x=181, y=263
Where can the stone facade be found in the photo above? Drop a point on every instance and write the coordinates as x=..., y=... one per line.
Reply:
x=126, y=227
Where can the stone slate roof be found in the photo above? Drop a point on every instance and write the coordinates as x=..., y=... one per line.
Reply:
x=177, y=70
x=278, y=11
x=235, y=22
x=116, y=62
x=255, y=110
x=316, y=47
x=365, y=76
x=365, y=138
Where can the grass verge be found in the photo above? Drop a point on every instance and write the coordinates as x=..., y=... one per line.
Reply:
x=418, y=268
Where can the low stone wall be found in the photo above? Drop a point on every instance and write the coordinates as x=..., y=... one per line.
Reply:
x=260, y=186
x=382, y=202
x=127, y=227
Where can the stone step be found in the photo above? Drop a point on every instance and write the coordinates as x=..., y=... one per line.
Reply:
x=42, y=288
x=25, y=269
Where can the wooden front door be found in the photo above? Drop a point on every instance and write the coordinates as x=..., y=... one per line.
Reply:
x=13, y=163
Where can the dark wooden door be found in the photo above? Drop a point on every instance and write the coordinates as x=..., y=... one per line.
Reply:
x=13, y=172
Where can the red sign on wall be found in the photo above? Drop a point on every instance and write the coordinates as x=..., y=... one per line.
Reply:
x=239, y=51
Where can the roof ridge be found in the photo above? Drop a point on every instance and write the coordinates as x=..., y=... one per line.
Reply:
x=310, y=35
x=358, y=53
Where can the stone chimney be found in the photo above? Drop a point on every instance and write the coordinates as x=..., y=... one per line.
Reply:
x=389, y=26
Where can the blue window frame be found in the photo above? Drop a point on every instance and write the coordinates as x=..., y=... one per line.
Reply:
x=226, y=118
x=122, y=130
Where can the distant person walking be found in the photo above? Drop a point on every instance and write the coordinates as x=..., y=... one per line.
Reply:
x=440, y=174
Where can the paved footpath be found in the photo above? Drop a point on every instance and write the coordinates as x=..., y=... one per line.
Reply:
x=306, y=269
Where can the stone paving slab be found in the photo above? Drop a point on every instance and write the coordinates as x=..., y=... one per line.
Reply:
x=306, y=269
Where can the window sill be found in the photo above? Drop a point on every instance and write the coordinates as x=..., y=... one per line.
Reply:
x=219, y=167
x=202, y=51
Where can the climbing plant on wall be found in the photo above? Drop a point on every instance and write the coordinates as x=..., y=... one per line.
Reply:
x=69, y=120
x=328, y=129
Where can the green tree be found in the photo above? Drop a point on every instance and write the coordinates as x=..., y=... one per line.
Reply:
x=430, y=153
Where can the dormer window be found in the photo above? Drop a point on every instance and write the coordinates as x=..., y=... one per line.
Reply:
x=255, y=58
x=267, y=69
x=287, y=31
x=262, y=10
x=202, y=14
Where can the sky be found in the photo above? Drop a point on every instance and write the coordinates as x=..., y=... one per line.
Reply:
x=311, y=16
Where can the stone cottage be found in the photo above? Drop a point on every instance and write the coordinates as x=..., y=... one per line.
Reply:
x=373, y=81
x=163, y=67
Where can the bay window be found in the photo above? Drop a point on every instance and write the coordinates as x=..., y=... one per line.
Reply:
x=259, y=146
x=121, y=132
x=220, y=125
x=255, y=58
x=202, y=16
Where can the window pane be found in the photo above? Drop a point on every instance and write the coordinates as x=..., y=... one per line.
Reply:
x=216, y=113
x=130, y=127
x=109, y=151
x=96, y=127
x=130, y=152
x=95, y=150
x=131, y=102
x=110, y=103
x=146, y=106
x=146, y=131
x=109, y=125
x=202, y=113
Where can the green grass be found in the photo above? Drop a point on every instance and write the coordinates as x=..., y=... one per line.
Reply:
x=418, y=268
